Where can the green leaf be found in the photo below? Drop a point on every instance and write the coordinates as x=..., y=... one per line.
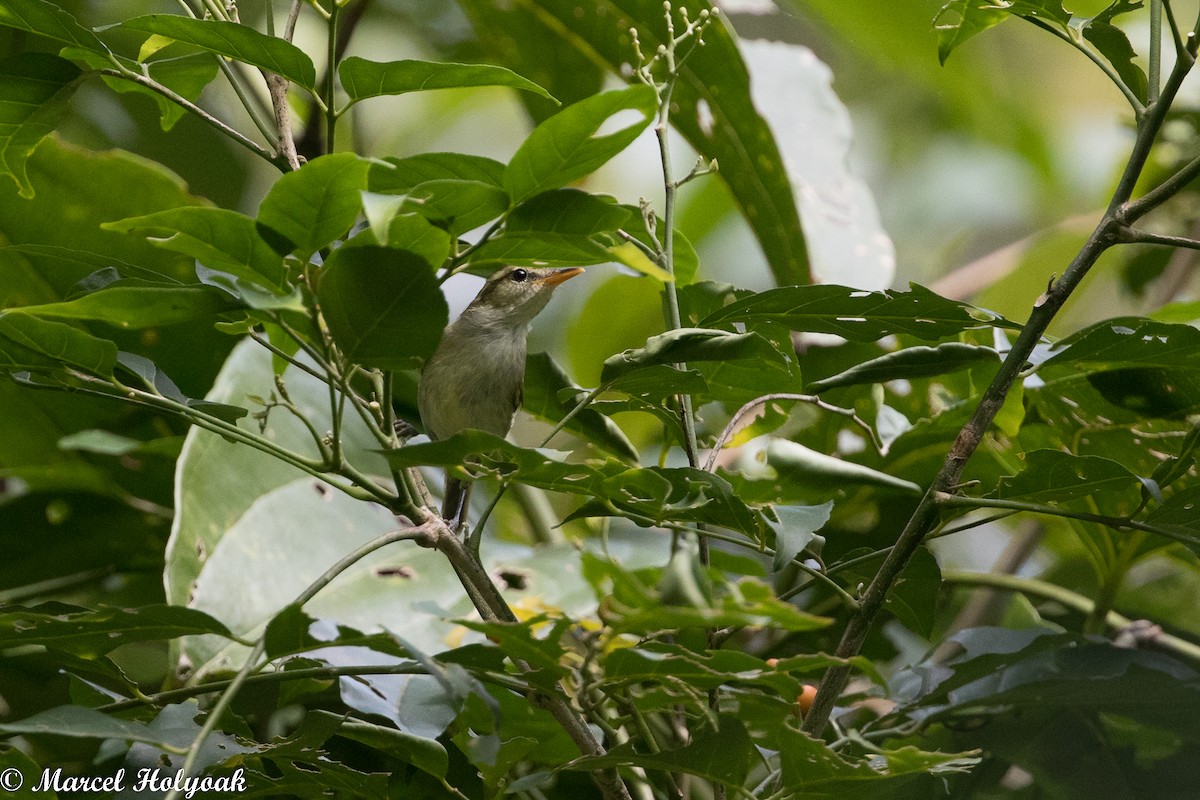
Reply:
x=362, y=78
x=545, y=386
x=60, y=342
x=1129, y=341
x=795, y=463
x=317, y=203
x=83, y=723
x=798, y=526
x=567, y=147
x=658, y=382
x=410, y=232
x=457, y=191
x=187, y=76
x=400, y=175
x=569, y=227
x=724, y=755
x=858, y=315
x=34, y=90
x=383, y=306
x=556, y=63
x=909, y=363
x=1052, y=476
x=1114, y=45
x=239, y=42
x=693, y=344
x=424, y=753
x=216, y=237
x=1180, y=514
x=158, y=381
x=93, y=633
x=136, y=307
x=959, y=20
x=913, y=597
x=810, y=769
x=47, y=19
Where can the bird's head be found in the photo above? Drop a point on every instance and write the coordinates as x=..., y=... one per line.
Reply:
x=514, y=295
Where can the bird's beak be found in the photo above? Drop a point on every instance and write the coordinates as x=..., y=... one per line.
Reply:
x=559, y=275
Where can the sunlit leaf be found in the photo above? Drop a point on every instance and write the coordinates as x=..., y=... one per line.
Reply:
x=317, y=203
x=233, y=40
x=858, y=315
x=362, y=78
x=909, y=363
x=568, y=146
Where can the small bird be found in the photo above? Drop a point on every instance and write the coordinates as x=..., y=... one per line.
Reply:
x=476, y=377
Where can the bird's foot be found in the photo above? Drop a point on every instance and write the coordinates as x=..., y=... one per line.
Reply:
x=403, y=430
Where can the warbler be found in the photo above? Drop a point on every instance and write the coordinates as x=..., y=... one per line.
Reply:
x=476, y=376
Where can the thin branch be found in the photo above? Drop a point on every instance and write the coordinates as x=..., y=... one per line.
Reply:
x=1136, y=104
x=1132, y=235
x=1065, y=597
x=145, y=80
x=768, y=398
x=1116, y=523
x=290, y=359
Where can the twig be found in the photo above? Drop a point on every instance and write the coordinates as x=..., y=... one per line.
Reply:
x=715, y=452
x=1063, y=596
x=237, y=136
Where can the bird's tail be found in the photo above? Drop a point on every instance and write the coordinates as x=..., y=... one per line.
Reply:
x=454, y=501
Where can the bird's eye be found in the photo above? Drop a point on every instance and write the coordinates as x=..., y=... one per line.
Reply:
x=518, y=275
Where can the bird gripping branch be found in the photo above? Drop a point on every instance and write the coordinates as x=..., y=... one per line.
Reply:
x=475, y=378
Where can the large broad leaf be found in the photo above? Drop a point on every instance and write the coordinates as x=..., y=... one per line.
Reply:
x=793, y=91
x=455, y=190
x=216, y=237
x=555, y=63
x=383, y=306
x=362, y=78
x=568, y=146
x=61, y=343
x=711, y=106
x=694, y=344
x=857, y=315
x=1129, y=342
x=94, y=633
x=724, y=755
x=545, y=386
x=134, y=307
x=34, y=90
x=315, y=204
x=909, y=363
x=1052, y=476
x=232, y=40
x=959, y=20
x=47, y=19
x=811, y=769
x=1034, y=671
x=565, y=227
